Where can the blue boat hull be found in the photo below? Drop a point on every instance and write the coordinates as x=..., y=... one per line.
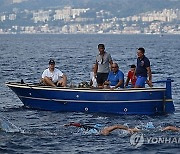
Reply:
x=127, y=101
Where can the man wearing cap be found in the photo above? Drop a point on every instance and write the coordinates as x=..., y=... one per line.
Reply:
x=101, y=70
x=53, y=76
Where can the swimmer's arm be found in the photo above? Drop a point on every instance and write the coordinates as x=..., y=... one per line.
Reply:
x=172, y=128
x=133, y=130
x=107, y=130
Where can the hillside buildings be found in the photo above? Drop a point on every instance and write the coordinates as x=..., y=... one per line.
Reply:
x=84, y=20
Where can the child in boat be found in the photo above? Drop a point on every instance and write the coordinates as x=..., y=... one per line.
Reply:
x=131, y=76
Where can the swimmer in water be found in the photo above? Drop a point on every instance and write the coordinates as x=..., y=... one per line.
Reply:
x=102, y=130
x=150, y=126
x=107, y=130
x=172, y=128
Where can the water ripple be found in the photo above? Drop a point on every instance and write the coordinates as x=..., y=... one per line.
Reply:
x=26, y=56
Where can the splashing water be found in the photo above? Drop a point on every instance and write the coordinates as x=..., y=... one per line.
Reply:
x=7, y=126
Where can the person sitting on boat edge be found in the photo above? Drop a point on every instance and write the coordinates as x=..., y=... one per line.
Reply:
x=131, y=77
x=143, y=70
x=53, y=76
x=115, y=78
x=103, y=61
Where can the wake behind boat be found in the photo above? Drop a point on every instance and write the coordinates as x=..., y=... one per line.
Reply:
x=140, y=101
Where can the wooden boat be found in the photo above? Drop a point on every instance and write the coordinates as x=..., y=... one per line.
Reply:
x=141, y=101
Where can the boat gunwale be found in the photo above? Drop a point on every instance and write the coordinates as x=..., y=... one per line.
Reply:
x=34, y=86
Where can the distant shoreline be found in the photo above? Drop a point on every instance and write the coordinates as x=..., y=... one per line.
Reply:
x=89, y=34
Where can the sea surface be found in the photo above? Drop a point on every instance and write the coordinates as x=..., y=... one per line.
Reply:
x=32, y=131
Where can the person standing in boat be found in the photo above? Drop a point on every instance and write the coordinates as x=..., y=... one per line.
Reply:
x=143, y=70
x=53, y=76
x=101, y=70
x=115, y=78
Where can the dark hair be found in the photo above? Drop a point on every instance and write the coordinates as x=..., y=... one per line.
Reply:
x=51, y=61
x=133, y=66
x=101, y=46
x=142, y=50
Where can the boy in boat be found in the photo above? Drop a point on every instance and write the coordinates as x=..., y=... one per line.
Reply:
x=53, y=76
x=115, y=78
x=101, y=70
x=131, y=76
x=99, y=129
x=143, y=70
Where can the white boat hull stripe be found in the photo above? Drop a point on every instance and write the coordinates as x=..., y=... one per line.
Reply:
x=104, y=101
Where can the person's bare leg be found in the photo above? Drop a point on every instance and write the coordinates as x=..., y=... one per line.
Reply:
x=48, y=82
x=62, y=83
x=172, y=128
x=149, y=84
x=100, y=86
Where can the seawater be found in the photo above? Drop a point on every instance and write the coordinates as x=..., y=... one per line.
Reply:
x=33, y=131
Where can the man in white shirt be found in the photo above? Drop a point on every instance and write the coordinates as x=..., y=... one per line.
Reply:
x=53, y=76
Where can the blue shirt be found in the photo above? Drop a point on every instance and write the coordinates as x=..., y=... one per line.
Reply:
x=142, y=64
x=114, y=78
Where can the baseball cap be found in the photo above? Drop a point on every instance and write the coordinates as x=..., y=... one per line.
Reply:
x=51, y=61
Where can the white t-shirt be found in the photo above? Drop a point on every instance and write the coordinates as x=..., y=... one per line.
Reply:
x=93, y=79
x=55, y=75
